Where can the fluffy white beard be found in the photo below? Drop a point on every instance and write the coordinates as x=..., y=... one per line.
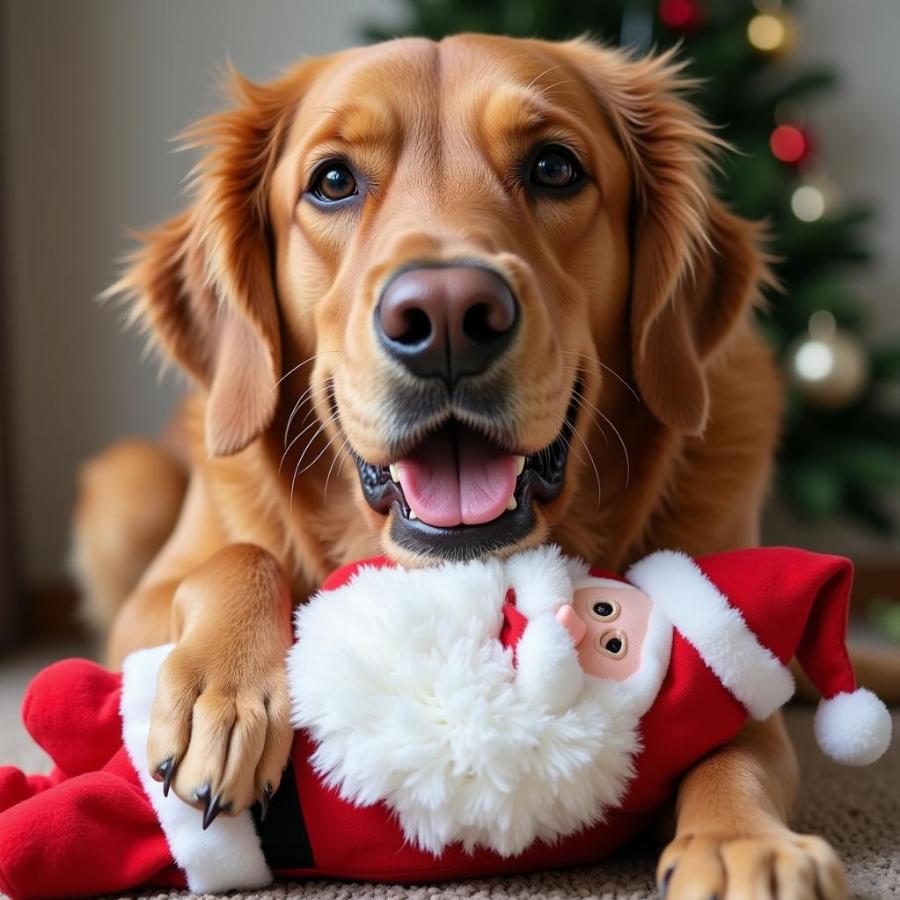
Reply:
x=411, y=700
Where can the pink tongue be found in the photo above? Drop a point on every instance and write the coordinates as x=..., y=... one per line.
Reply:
x=466, y=481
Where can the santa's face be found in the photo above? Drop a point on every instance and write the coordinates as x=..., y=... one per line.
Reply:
x=608, y=626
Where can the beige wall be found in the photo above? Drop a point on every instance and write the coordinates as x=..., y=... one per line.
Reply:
x=94, y=88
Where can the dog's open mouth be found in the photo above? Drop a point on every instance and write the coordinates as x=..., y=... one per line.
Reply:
x=457, y=494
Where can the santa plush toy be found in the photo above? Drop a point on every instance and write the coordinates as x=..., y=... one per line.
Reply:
x=471, y=719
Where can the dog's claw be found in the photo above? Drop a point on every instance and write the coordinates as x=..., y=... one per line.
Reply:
x=204, y=795
x=664, y=883
x=212, y=809
x=264, y=800
x=166, y=771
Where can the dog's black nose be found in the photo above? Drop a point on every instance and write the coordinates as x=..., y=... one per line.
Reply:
x=446, y=321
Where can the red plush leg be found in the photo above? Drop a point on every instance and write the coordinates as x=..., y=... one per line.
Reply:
x=94, y=834
x=71, y=709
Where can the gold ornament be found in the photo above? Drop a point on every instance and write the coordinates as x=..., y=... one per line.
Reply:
x=829, y=366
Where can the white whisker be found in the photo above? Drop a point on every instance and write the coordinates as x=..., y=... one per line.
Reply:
x=593, y=419
x=591, y=458
x=339, y=454
x=312, y=393
x=624, y=383
x=300, y=435
x=305, y=449
x=294, y=411
x=581, y=355
x=310, y=464
x=618, y=434
x=300, y=365
x=541, y=75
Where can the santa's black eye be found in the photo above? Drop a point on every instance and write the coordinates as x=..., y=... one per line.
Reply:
x=332, y=182
x=605, y=609
x=613, y=643
x=555, y=169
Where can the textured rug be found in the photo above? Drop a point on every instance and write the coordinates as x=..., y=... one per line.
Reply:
x=858, y=810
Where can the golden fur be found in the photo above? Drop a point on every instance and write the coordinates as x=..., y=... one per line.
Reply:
x=644, y=277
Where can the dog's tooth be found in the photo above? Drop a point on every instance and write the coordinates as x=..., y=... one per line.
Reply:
x=395, y=472
x=512, y=504
x=412, y=514
x=520, y=466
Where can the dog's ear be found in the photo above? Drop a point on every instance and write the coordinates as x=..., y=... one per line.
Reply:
x=696, y=267
x=202, y=283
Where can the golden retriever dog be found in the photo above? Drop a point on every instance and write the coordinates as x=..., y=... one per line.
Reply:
x=441, y=300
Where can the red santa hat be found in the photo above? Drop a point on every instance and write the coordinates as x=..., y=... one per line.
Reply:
x=748, y=612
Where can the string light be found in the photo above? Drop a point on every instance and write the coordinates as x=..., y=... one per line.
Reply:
x=814, y=361
x=766, y=32
x=679, y=14
x=808, y=203
x=815, y=357
x=788, y=143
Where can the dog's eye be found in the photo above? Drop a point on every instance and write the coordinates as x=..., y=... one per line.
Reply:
x=605, y=610
x=555, y=168
x=613, y=643
x=333, y=181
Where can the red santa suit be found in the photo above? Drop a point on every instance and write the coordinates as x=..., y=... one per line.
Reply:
x=427, y=747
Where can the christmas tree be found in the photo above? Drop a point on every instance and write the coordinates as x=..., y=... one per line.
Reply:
x=839, y=455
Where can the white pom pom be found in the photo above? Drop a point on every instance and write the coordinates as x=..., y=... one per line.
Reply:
x=853, y=728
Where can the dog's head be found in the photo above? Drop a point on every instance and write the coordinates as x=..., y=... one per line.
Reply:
x=444, y=250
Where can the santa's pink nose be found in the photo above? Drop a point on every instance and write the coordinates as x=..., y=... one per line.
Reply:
x=569, y=619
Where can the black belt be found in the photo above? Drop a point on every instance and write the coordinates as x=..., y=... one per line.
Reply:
x=285, y=842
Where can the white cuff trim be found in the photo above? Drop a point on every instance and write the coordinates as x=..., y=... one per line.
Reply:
x=228, y=855
x=716, y=629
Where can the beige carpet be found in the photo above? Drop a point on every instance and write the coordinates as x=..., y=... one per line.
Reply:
x=858, y=810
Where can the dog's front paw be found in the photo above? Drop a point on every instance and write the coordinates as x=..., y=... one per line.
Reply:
x=779, y=865
x=220, y=735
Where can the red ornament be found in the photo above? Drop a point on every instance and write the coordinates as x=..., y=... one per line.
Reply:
x=680, y=15
x=790, y=144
